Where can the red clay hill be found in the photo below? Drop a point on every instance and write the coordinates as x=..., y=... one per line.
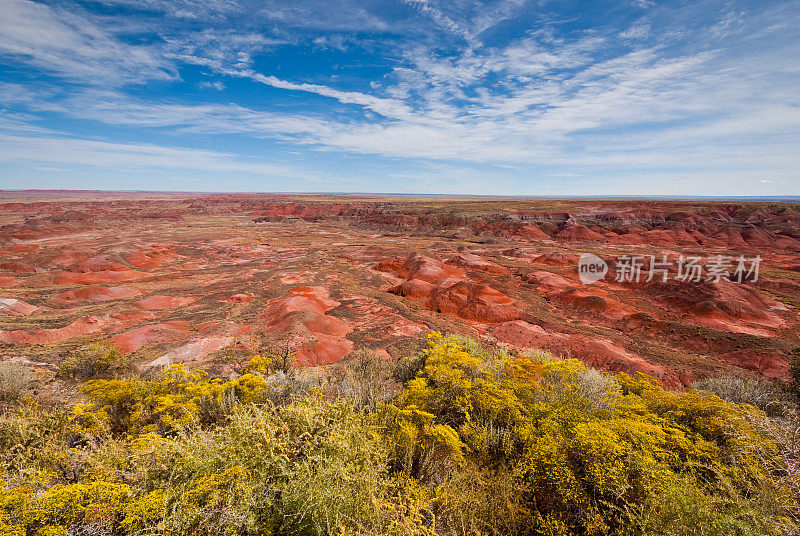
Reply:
x=194, y=278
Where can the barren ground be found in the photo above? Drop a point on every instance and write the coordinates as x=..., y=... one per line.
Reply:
x=206, y=279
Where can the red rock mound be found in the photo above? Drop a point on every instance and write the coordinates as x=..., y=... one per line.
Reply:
x=11, y=306
x=226, y=328
x=772, y=364
x=85, y=325
x=605, y=354
x=82, y=326
x=322, y=351
x=415, y=266
x=313, y=299
x=99, y=263
x=154, y=303
x=473, y=301
x=99, y=293
x=413, y=288
x=579, y=233
x=514, y=230
x=172, y=331
x=594, y=300
x=724, y=305
x=728, y=238
x=375, y=320
x=20, y=268
x=596, y=352
x=95, y=278
x=476, y=262
x=547, y=283
x=524, y=336
x=557, y=258
x=148, y=259
x=193, y=351
x=446, y=289
x=301, y=316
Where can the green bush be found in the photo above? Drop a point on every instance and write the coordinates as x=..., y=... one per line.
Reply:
x=769, y=396
x=91, y=360
x=14, y=379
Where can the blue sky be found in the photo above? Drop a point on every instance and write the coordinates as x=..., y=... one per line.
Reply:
x=633, y=97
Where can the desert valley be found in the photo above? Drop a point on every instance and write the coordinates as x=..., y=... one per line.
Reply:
x=206, y=279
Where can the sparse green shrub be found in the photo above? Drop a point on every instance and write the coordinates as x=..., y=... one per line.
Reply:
x=14, y=379
x=91, y=360
x=794, y=371
x=481, y=500
x=367, y=379
x=768, y=396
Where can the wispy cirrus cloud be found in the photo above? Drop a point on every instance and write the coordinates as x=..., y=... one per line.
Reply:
x=184, y=9
x=642, y=94
x=72, y=44
x=441, y=20
x=68, y=150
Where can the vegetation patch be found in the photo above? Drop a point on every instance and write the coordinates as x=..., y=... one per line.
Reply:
x=456, y=440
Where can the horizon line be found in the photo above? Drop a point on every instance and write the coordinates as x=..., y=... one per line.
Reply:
x=675, y=197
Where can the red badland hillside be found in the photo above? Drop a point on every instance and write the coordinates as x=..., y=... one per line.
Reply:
x=194, y=277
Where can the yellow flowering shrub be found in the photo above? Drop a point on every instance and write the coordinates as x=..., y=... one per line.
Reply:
x=13, y=509
x=476, y=442
x=78, y=503
x=176, y=400
x=590, y=451
x=261, y=364
x=143, y=512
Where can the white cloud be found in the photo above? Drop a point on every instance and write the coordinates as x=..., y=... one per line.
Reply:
x=219, y=49
x=731, y=23
x=386, y=107
x=64, y=150
x=74, y=46
x=217, y=85
x=640, y=29
x=442, y=20
x=185, y=9
x=644, y=97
